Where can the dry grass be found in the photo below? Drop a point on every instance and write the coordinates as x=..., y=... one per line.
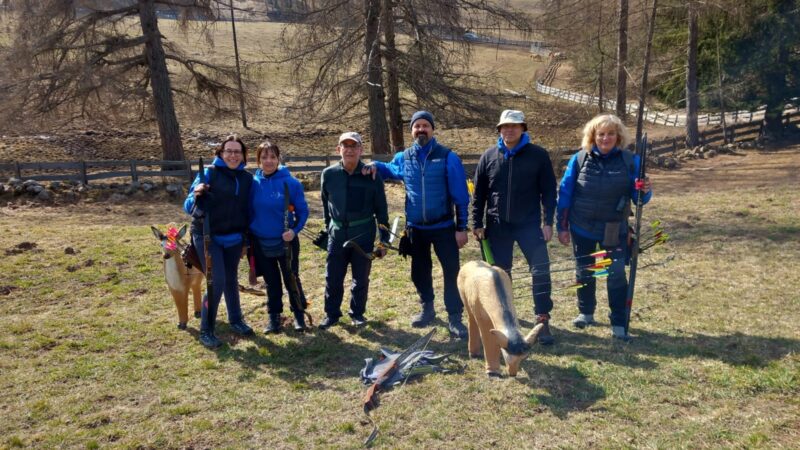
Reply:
x=91, y=357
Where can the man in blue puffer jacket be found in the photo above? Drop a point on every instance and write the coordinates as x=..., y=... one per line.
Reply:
x=436, y=215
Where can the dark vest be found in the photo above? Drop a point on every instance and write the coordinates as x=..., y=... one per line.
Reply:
x=229, y=210
x=427, y=198
x=602, y=185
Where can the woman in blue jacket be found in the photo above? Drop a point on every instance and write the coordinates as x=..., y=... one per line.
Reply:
x=276, y=221
x=594, y=201
x=221, y=194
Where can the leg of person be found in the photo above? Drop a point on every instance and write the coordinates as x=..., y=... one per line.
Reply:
x=502, y=244
x=421, y=266
x=446, y=248
x=272, y=278
x=582, y=247
x=232, y=255
x=617, y=285
x=208, y=313
x=335, y=271
x=531, y=242
x=294, y=299
x=359, y=289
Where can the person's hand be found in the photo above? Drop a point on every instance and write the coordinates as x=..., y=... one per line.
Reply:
x=479, y=233
x=369, y=169
x=380, y=251
x=563, y=237
x=288, y=235
x=547, y=232
x=200, y=189
x=461, y=238
x=648, y=185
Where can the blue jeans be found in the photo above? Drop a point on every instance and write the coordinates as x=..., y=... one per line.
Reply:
x=616, y=283
x=444, y=244
x=530, y=239
x=335, y=271
x=225, y=273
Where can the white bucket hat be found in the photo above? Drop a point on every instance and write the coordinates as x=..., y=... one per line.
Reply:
x=512, y=116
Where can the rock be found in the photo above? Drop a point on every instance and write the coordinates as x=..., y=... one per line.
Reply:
x=117, y=198
x=174, y=189
x=711, y=153
x=147, y=187
x=34, y=188
x=28, y=183
x=82, y=188
x=670, y=163
x=55, y=185
x=44, y=196
x=14, y=182
x=18, y=189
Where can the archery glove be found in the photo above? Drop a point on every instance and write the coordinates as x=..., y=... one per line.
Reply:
x=404, y=247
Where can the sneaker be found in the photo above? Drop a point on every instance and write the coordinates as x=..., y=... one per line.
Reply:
x=181, y=325
x=456, y=328
x=328, y=322
x=209, y=340
x=241, y=328
x=197, y=314
x=273, y=325
x=583, y=320
x=425, y=317
x=358, y=320
x=545, y=337
x=619, y=333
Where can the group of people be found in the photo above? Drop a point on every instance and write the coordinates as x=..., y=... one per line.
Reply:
x=516, y=199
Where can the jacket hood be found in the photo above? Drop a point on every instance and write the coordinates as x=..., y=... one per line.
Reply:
x=281, y=173
x=219, y=162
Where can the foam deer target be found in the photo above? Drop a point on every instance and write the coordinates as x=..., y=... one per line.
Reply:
x=180, y=278
x=487, y=296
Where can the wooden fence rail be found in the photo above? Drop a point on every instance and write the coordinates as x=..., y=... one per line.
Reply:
x=134, y=170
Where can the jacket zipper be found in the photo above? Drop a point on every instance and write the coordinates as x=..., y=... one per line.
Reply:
x=424, y=163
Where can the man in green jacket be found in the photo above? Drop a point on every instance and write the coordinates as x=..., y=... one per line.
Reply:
x=352, y=205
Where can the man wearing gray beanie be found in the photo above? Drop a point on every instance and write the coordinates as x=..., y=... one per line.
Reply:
x=436, y=215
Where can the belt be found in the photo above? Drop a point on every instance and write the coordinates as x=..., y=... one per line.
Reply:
x=350, y=223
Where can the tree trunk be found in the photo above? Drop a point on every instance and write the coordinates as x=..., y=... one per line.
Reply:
x=692, y=131
x=168, y=128
x=643, y=89
x=601, y=95
x=622, y=59
x=392, y=78
x=379, y=130
x=238, y=68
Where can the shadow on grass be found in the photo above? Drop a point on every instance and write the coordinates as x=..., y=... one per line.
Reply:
x=296, y=357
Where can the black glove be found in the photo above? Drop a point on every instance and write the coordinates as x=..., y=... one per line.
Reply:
x=321, y=240
x=404, y=246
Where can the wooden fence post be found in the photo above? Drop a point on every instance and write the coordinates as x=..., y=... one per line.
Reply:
x=188, y=171
x=17, y=170
x=84, y=177
x=134, y=176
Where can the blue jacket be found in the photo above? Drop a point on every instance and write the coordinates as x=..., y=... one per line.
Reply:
x=227, y=200
x=268, y=209
x=567, y=191
x=435, y=181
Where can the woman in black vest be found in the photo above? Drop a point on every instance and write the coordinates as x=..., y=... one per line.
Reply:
x=222, y=195
x=593, y=207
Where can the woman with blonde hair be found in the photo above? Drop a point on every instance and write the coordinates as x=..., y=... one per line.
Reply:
x=594, y=202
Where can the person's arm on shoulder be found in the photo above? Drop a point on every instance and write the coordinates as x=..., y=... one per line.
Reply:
x=392, y=170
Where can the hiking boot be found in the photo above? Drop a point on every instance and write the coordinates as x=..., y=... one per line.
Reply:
x=209, y=340
x=619, y=333
x=583, y=320
x=425, y=317
x=456, y=328
x=328, y=322
x=181, y=325
x=545, y=337
x=358, y=320
x=241, y=328
x=197, y=314
x=299, y=322
x=274, y=324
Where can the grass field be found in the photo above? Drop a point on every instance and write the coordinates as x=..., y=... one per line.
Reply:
x=91, y=357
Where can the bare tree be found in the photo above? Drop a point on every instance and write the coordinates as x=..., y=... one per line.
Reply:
x=83, y=60
x=622, y=59
x=692, y=99
x=651, y=26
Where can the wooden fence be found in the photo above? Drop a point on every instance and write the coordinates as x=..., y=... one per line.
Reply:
x=135, y=170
